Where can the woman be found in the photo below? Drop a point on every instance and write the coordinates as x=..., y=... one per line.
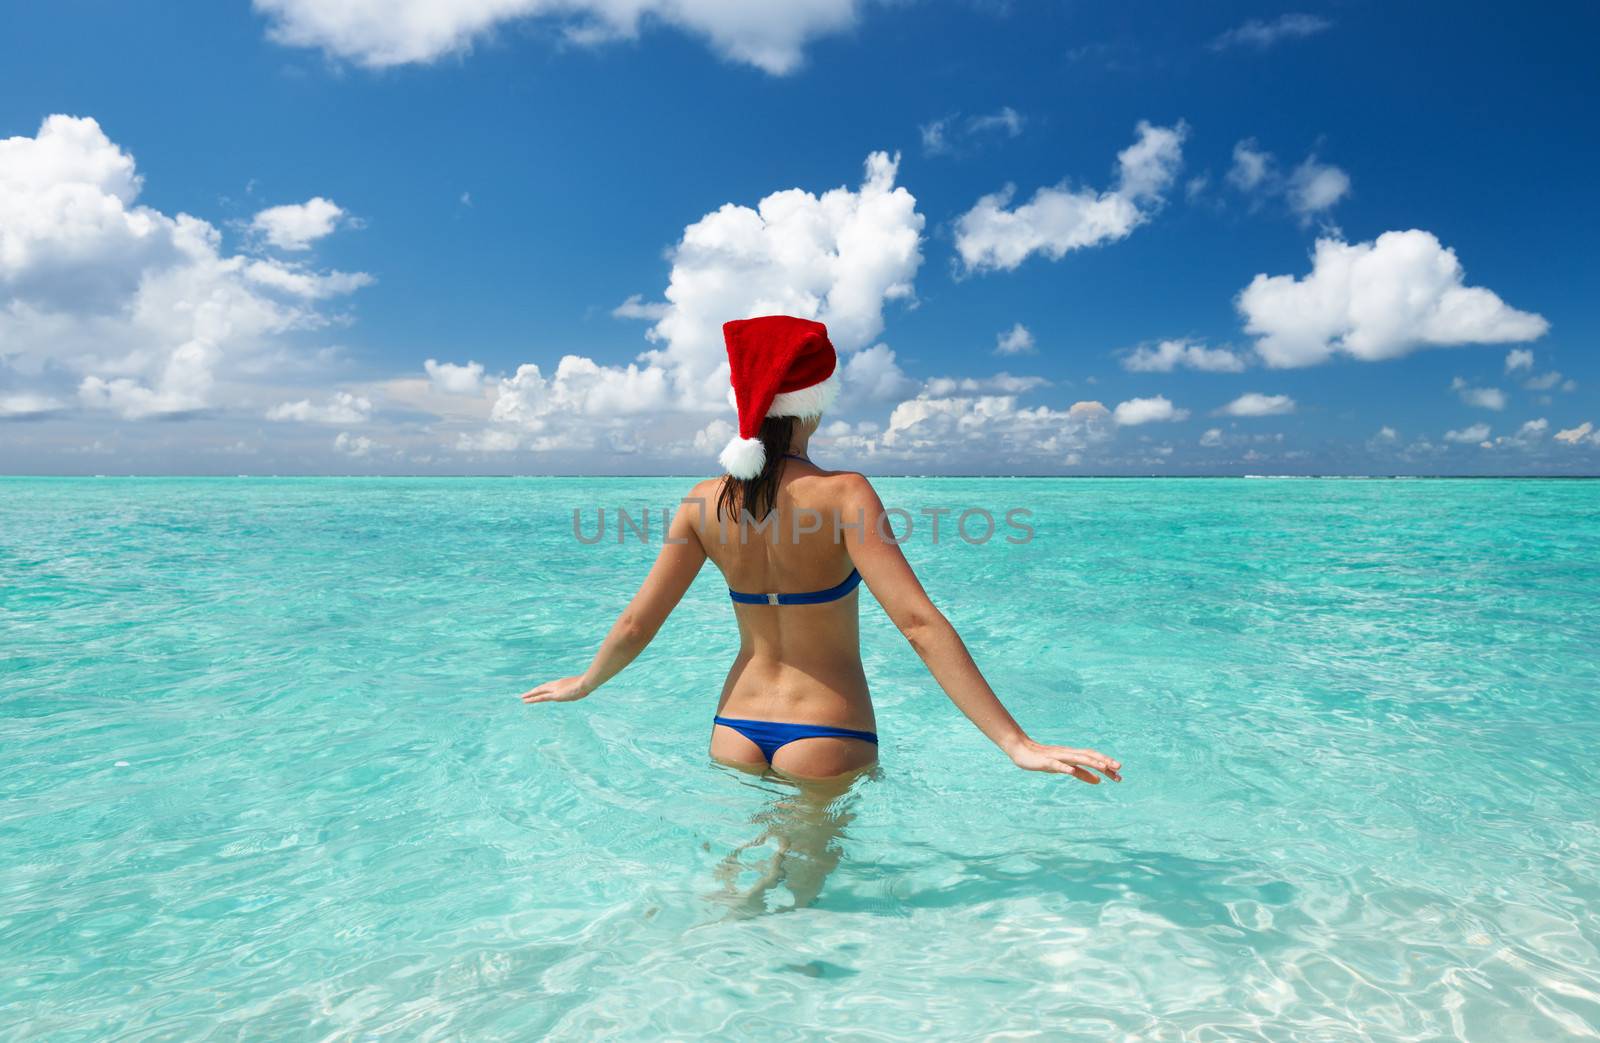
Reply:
x=793, y=541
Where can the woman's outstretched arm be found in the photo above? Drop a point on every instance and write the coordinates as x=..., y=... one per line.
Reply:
x=675, y=568
x=890, y=578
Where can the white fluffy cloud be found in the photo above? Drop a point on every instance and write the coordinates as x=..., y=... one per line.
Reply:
x=1478, y=433
x=1583, y=433
x=454, y=379
x=1252, y=167
x=1314, y=187
x=354, y=445
x=993, y=235
x=976, y=432
x=340, y=408
x=124, y=307
x=379, y=33
x=1254, y=403
x=182, y=384
x=295, y=226
x=1518, y=358
x=1527, y=436
x=299, y=281
x=933, y=426
x=1171, y=354
x=711, y=438
x=1375, y=301
x=579, y=386
x=70, y=234
x=1000, y=383
x=1483, y=398
x=1018, y=340
x=636, y=307
x=872, y=375
x=1137, y=411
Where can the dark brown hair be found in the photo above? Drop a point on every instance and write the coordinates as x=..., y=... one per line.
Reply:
x=759, y=495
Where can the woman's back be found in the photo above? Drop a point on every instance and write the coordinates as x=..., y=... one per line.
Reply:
x=796, y=662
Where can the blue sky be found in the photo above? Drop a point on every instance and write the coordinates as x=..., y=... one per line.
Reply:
x=1237, y=238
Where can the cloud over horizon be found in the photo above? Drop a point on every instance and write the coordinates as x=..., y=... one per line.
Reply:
x=1375, y=301
x=126, y=309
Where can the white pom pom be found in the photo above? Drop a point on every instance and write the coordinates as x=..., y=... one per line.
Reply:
x=743, y=457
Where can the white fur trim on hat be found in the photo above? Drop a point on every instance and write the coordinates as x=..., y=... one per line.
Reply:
x=743, y=457
x=807, y=402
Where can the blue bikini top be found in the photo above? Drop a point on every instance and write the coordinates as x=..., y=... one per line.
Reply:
x=810, y=597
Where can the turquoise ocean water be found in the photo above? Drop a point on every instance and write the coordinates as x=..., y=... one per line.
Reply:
x=263, y=774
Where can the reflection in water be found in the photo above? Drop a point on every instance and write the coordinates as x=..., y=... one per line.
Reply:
x=803, y=828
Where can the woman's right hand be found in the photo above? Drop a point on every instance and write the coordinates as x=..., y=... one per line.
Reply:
x=1066, y=760
x=563, y=691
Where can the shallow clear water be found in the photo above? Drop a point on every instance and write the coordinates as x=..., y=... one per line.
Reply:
x=264, y=774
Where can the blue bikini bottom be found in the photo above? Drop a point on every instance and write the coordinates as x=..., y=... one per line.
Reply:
x=770, y=735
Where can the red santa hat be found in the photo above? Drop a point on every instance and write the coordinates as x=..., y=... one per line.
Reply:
x=780, y=366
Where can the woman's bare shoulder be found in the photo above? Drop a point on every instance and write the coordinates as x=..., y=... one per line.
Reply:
x=848, y=487
x=848, y=479
x=702, y=496
x=705, y=488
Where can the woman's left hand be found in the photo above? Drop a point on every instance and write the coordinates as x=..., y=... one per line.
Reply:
x=1066, y=760
x=563, y=691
